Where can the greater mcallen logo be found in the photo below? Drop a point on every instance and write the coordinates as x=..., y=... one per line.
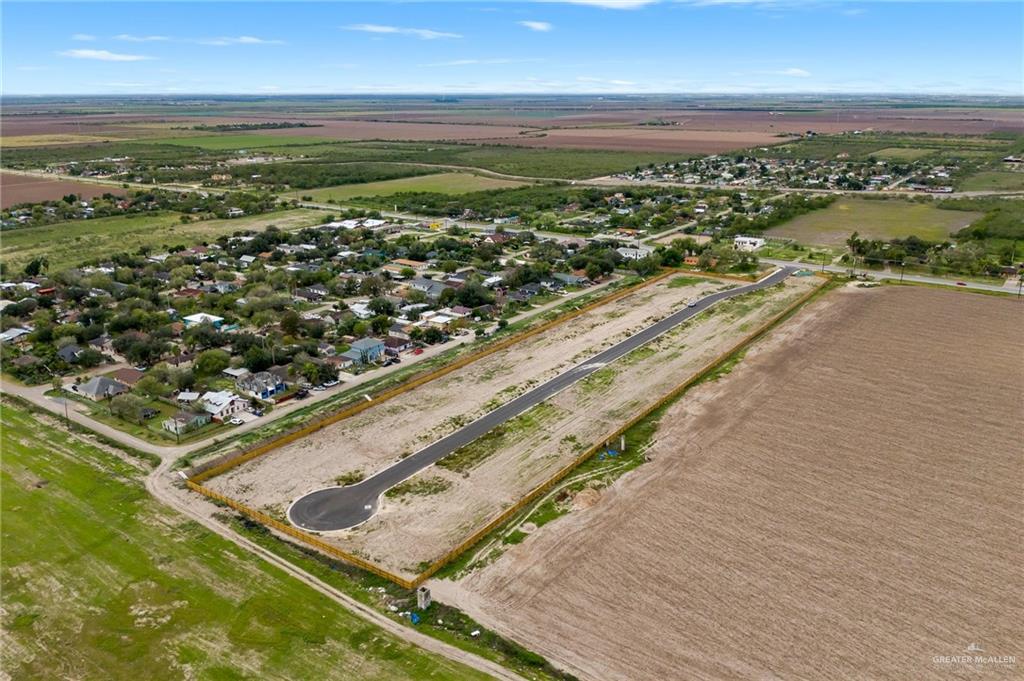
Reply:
x=974, y=655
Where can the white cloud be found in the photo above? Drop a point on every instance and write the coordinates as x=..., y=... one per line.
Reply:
x=793, y=72
x=470, y=62
x=83, y=37
x=102, y=55
x=127, y=37
x=421, y=33
x=610, y=4
x=239, y=40
x=605, y=81
x=541, y=26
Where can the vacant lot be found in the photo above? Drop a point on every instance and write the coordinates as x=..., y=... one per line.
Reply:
x=76, y=241
x=16, y=189
x=101, y=582
x=439, y=507
x=902, y=153
x=853, y=485
x=443, y=183
x=873, y=219
x=994, y=180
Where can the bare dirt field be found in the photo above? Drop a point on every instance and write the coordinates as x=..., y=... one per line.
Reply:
x=16, y=189
x=445, y=503
x=379, y=436
x=645, y=139
x=846, y=504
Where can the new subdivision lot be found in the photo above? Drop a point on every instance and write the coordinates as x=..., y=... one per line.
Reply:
x=435, y=510
x=873, y=219
x=852, y=485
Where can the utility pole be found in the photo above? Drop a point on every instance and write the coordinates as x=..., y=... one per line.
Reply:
x=902, y=267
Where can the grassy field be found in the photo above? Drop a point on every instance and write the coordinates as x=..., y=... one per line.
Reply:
x=994, y=181
x=76, y=241
x=873, y=219
x=232, y=141
x=101, y=582
x=902, y=153
x=46, y=140
x=445, y=183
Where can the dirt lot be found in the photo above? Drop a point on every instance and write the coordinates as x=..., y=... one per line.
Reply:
x=16, y=189
x=844, y=505
x=378, y=436
x=448, y=502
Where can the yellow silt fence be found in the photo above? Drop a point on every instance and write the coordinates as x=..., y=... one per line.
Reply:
x=533, y=494
x=201, y=473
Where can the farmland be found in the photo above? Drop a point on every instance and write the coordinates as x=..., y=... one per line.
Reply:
x=873, y=219
x=70, y=243
x=994, y=180
x=233, y=142
x=478, y=482
x=102, y=582
x=15, y=188
x=828, y=481
x=442, y=183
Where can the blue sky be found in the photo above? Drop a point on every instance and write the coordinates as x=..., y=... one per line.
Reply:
x=578, y=46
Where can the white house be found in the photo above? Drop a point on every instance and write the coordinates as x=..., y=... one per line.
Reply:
x=202, y=318
x=637, y=253
x=747, y=243
x=222, y=405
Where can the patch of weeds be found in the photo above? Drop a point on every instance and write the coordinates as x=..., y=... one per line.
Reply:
x=421, y=487
x=515, y=537
x=681, y=281
x=465, y=458
x=350, y=478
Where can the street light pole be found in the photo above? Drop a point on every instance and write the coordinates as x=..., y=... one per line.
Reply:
x=903, y=266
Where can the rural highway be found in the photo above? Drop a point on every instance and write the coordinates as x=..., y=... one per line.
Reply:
x=339, y=508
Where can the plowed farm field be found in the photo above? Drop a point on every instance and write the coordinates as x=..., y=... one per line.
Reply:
x=845, y=504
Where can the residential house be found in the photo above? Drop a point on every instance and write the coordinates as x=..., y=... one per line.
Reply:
x=222, y=405
x=237, y=374
x=262, y=385
x=365, y=350
x=634, y=253
x=747, y=243
x=13, y=335
x=394, y=345
x=185, y=422
x=127, y=375
x=100, y=388
x=70, y=353
x=202, y=318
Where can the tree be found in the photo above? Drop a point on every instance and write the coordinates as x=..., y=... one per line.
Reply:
x=381, y=306
x=150, y=386
x=212, y=362
x=290, y=322
x=127, y=407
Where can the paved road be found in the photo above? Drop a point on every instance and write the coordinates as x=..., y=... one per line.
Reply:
x=338, y=508
x=914, y=278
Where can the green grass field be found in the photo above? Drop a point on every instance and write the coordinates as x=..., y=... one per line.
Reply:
x=102, y=582
x=233, y=141
x=70, y=243
x=444, y=183
x=873, y=219
x=902, y=153
x=994, y=181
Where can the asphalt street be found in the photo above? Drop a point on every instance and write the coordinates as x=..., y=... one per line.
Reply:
x=339, y=508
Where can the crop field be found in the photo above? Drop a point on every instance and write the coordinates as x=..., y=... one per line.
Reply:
x=15, y=188
x=70, y=243
x=873, y=219
x=102, y=582
x=443, y=504
x=994, y=181
x=232, y=142
x=8, y=142
x=442, y=183
x=819, y=501
x=902, y=153
x=642, y=138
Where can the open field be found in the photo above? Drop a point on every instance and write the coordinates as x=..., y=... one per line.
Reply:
x=101, y=582
x=443, y=183
x=819, y=501
x=994, y=180
x=643, y=138
x=243, y=141
x=15, y=188
x=48, y=140
x=873, y=219
x=902, y=153
x=70, y=243
x=445, y=503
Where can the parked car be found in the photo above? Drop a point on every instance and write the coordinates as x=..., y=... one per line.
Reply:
x=236, y=421
x=301, y=394
x=331, y=384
